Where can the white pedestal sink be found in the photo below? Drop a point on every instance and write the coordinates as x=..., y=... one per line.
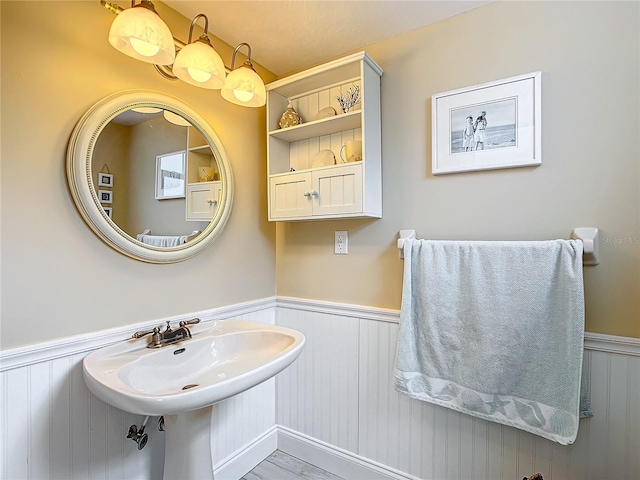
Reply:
x=182, y=381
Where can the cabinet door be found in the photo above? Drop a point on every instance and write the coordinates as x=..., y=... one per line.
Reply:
x=202, y=200
x=337, y=190
x=290, y=196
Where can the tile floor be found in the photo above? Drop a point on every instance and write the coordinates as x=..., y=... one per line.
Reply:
x=280, y=466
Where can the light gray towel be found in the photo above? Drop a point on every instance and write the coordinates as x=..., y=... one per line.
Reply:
x=162, y=240
x=495, y=330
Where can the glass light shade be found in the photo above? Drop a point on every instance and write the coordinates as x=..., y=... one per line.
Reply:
x=175, y=119
x=147, y=110
x=244, y=87
x=200, y=65
x=141, y=34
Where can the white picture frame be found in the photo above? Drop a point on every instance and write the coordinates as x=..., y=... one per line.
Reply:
x=108, y=211
x=105, y=196
x=105, y=179
x=171, y=175
x=508, y=135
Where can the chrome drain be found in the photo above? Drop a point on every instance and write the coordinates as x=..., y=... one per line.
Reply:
x=191, y=385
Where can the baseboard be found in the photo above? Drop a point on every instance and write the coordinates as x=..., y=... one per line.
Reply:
x=242, y=461
x=333, y=459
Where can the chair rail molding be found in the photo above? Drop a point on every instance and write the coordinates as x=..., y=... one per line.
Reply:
x=39, y=352
x=592, y=341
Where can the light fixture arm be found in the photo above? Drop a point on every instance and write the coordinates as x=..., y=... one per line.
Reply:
x=248, y=62
x=144, y=3
x=165, y=72
x=112, y=7
x=204, y=36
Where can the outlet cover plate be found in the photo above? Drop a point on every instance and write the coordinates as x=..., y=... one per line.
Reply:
x=341, y=242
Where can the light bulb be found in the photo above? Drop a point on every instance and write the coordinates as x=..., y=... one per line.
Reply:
x=145, y=49
x=199, y=75
x=242, y=95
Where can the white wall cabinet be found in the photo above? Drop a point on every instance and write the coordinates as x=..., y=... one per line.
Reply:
x=202, y=200
x=325, y=192
x=201, y=197
x=345, y=190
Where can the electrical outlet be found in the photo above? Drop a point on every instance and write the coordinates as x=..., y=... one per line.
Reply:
x=342, y=242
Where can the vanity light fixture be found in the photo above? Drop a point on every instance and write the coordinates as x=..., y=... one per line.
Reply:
x=146, y=110
x=140, y=33
x=198, y=63
x=175, y=119
x=243, y=85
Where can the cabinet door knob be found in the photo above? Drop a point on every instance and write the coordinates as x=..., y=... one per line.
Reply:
x=314, y=193
x=307, y=194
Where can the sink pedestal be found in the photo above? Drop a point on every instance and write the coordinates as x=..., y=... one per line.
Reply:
x=187, y=451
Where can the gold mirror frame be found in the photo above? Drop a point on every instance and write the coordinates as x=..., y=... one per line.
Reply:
x=79, y=176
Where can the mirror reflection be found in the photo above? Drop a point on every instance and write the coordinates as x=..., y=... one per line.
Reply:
x=156, y=176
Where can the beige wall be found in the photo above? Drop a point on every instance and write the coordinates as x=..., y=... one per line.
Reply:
x=111, y=156
x=589, y=55
x=163, y=217
x=58, y=278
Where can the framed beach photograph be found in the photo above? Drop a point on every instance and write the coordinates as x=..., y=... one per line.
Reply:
x=488, y=126
x=105, y=180
x=105, y=196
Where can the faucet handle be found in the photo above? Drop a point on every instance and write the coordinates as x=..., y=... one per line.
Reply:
x=142, y=333
x=168, y=328
x=193, y=321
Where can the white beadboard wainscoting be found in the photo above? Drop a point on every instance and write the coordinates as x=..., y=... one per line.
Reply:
x=337, y=408
x=52, y=427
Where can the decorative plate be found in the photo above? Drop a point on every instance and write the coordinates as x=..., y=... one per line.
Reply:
x=325, y=113
x=323, y=158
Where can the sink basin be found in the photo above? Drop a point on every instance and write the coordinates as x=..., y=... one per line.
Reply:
x=222, y=359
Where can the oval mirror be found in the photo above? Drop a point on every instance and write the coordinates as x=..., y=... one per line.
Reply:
x=149, y=176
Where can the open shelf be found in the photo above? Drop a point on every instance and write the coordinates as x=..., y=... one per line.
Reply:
x=318, y=128
x=201, y=149
x=338, y=165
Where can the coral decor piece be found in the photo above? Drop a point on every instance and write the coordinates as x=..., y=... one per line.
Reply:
x=350, y=100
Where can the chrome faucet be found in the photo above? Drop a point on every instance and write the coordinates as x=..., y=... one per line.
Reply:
x=169, y=336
